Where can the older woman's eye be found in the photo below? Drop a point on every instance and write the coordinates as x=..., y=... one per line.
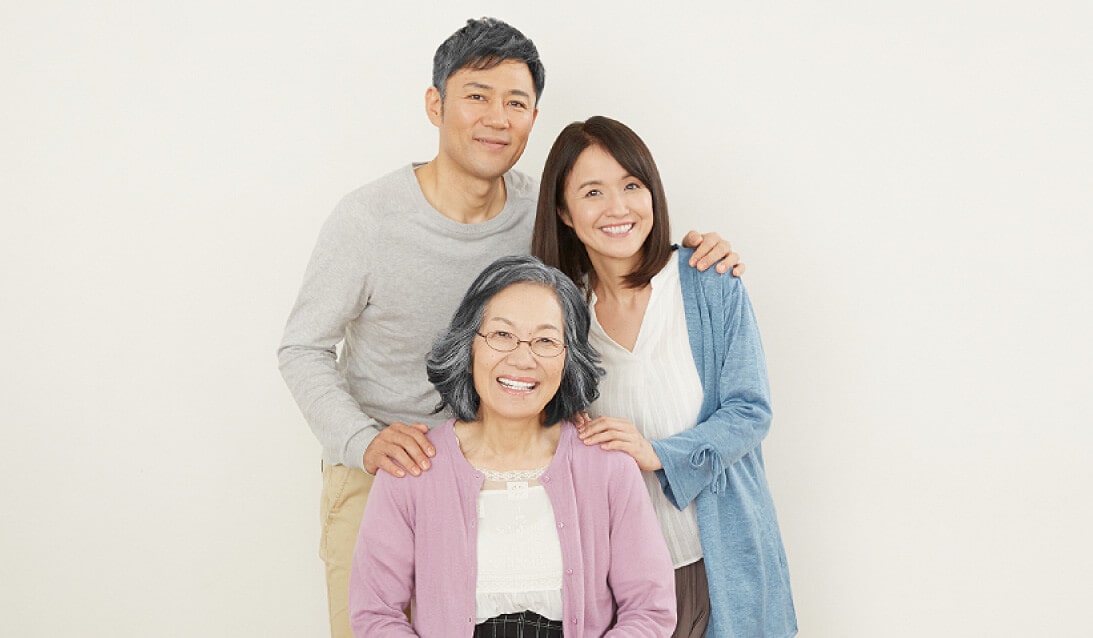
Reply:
x=547, y=346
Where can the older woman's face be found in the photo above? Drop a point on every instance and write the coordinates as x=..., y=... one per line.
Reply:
x=518, y=384
x=610, y=210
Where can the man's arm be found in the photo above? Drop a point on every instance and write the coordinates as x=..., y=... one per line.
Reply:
x=711, y=249
x=334, y=293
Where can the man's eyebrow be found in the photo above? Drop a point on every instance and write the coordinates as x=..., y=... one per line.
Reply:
x=487, y=87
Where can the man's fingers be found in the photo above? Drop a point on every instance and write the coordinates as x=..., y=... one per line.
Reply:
x=412, y=439
x=389, y=466
x=711, y=248
x=692, y=239
x=399, y=448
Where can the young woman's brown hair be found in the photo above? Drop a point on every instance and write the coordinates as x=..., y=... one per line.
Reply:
x=555, y=243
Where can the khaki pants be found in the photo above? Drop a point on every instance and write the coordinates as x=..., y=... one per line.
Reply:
x=345, y=492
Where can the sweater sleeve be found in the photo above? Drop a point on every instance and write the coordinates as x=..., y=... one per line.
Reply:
x=733, y=371
x=641, y=575
x=381, y=582
x=332, y=295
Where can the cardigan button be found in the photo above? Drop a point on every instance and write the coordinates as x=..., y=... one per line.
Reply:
x=561, y=525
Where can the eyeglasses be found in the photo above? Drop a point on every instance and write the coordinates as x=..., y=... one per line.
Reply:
x=503, y=341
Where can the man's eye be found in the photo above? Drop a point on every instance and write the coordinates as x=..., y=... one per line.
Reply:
x=519, y=105
x=476, y=96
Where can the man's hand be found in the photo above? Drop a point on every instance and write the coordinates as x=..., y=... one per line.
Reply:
x=398, y=448
x=711, y=249
x=619, y=434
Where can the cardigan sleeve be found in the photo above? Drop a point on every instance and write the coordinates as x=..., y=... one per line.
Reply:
x=382, y=579
x=729, y=354
x=641, y=575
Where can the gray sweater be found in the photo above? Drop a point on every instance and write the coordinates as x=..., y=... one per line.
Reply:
x=386, y=274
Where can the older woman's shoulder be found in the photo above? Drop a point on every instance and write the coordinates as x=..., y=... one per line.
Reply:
x=595, y=458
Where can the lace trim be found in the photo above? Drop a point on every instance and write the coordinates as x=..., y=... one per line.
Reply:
x=512, y=475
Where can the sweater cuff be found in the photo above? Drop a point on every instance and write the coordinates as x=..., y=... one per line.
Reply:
x=358, y=443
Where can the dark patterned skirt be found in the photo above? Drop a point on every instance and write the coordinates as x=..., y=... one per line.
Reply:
x=526, y=624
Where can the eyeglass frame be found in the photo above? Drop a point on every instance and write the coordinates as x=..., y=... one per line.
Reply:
x=530, y=343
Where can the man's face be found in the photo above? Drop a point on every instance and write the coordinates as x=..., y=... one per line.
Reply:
x=485, y=118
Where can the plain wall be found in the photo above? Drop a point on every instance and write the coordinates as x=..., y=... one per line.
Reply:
x=909, y=184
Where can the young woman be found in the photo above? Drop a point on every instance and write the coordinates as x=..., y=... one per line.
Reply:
x=686, y=391
x=518, y=529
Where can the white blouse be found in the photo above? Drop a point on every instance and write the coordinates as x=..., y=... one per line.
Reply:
x=656, y=387
x=519, y=554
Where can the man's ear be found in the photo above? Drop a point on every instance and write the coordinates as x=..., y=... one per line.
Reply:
x=434, y=106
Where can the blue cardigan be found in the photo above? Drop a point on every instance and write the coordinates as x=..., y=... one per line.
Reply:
x=718, y=464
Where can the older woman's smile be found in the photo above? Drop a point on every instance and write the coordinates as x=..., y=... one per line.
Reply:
x=517, y=385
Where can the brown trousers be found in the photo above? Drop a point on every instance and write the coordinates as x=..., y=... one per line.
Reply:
x=692, y=601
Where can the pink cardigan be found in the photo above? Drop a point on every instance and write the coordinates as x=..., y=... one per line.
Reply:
x=418, y=539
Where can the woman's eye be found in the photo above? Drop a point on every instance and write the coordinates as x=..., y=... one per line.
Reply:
x=592, y=193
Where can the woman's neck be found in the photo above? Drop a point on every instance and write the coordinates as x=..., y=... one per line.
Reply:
x=620, y=309
x=503, y=444
x=609, y=282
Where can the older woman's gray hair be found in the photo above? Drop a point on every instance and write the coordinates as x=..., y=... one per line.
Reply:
x=449, y=362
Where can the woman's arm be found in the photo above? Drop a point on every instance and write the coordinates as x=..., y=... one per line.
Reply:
x=641, y=575
x=697, y=458
x=382, y=580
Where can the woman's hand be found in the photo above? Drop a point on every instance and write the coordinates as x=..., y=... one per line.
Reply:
x=611, y=433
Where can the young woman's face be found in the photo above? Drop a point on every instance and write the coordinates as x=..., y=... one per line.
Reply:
x=519, y=383
x=610, y=210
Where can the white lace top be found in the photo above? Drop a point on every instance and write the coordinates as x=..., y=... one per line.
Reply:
x=519, y=554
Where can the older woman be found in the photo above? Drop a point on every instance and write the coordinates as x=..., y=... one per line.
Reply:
x=518, y=527
x=686, y=391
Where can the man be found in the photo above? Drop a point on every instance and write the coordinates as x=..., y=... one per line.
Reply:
x=389, y=268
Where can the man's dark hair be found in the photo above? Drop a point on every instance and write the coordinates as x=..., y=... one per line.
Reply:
x=483, y=44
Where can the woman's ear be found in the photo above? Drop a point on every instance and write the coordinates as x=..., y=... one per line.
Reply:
x=563, y=215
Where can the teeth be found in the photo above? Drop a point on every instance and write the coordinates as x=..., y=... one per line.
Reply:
x=617, y=230
x=516, y=385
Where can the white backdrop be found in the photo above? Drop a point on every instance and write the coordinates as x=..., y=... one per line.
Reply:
x=908, y=183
